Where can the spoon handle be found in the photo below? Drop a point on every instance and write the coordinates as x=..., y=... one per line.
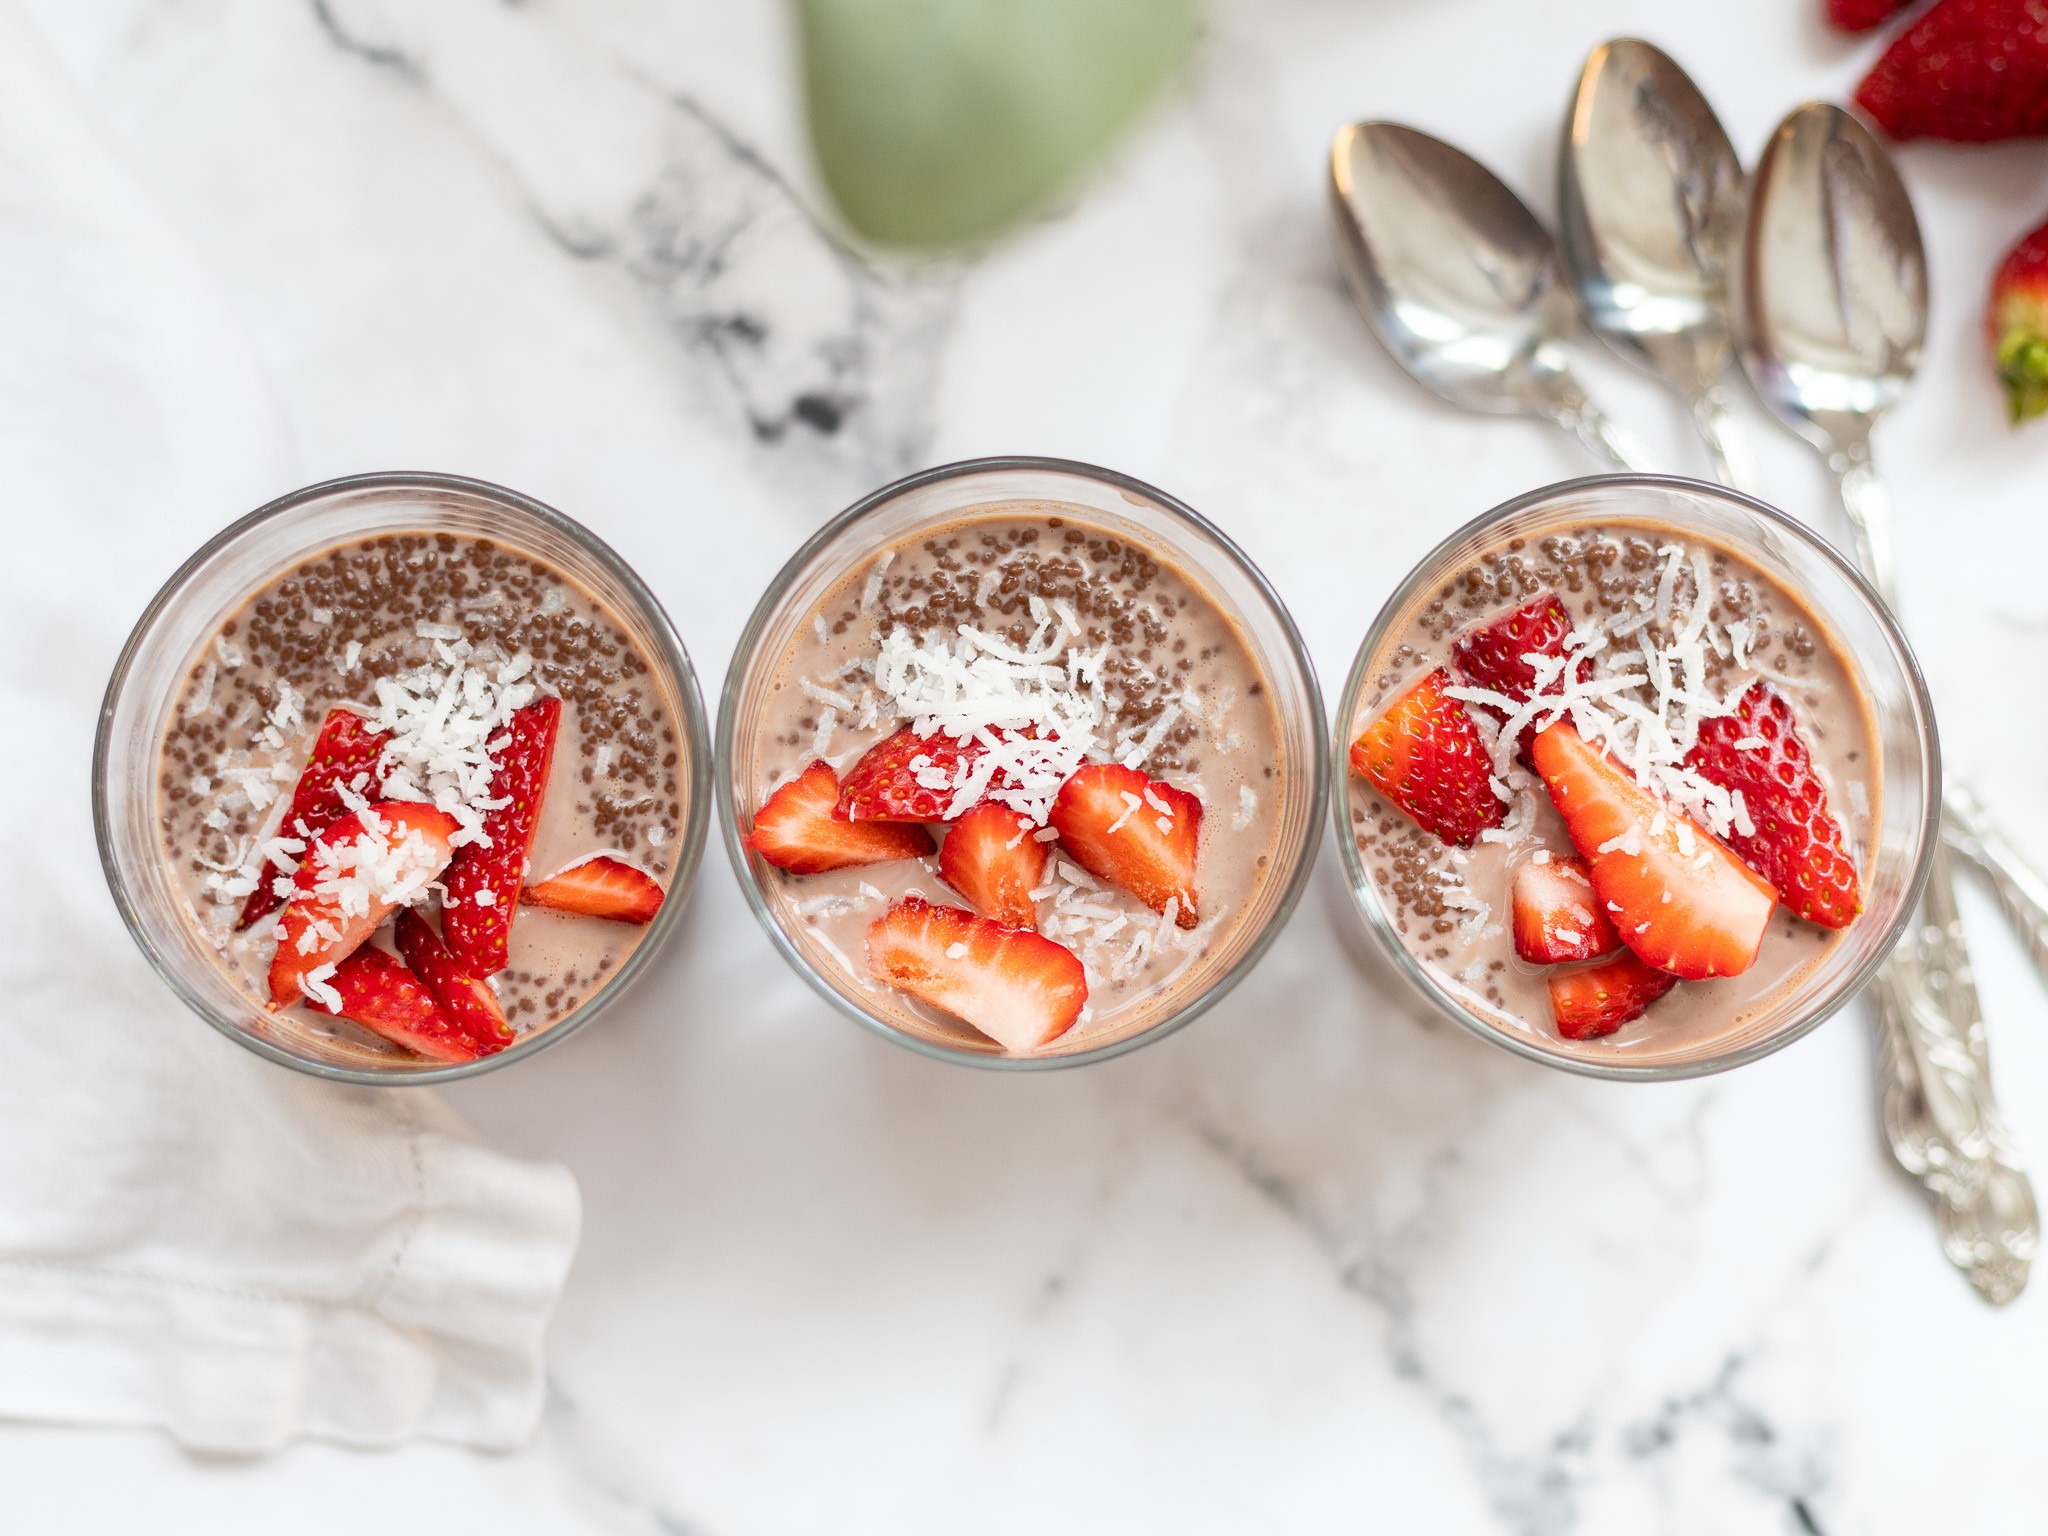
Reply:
x=1727, y=443
x=1869, y=507
x=1940, y=1115
x=2022, y=890
x=1564, y=401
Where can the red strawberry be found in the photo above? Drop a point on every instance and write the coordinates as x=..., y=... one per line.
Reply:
x=1968, y=70
x=1019, y=989
x=1556, y=916
x=1677, y=896
x=482, y=887
x=351, y=877
x=344, y=748
x=1594, y=1000
x=1424, y=754
x=801, y=829
x=1797, y=845
x=1491, y=657
x=991, y=858
x=883, y=786
x=466, y=998
x=379, y=993
x=1862, y=15
x=1133, y=831
x=599, y=887
x=2018, y=323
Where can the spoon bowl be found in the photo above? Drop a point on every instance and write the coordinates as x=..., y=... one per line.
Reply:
x=1458, y=279
x=1651, y=196
x=1831, y=305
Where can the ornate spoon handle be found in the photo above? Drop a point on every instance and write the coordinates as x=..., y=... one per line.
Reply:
x=2022, y=890
x=1940, y=1114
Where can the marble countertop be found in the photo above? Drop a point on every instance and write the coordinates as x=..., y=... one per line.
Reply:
x=1316, y=1263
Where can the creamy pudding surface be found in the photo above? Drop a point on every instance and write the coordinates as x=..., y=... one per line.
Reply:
x=1664, y=653
x=1071, y=656
x=410, y=640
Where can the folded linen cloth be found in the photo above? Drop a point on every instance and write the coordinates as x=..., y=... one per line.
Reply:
x=189, y=1236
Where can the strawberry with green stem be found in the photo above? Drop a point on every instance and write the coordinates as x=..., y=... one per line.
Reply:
x=2018, y=325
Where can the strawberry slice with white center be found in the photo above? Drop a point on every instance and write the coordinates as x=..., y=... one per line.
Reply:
x=1677, y=896
x=885, y=785
x=482, y=887
x=1425, y=755
x=1134, y=831
x=345, y=751
x=1594, y=1000
x=376, y=990
x=1556, y=916
x=1016, y=987
x=465, y=997
x=800, y=828
x=991, y=857
x=599, y=886
x=351, y=878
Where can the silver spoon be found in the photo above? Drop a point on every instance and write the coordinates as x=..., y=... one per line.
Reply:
x=1830, y=313
x=1650, y=199
x=1460, y=281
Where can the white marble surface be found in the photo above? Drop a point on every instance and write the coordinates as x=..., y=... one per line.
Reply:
x=1314, y=1264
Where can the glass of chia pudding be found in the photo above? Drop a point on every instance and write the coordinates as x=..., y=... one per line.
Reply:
x=1642, y=779
x=1021, y=763
x=400, y=778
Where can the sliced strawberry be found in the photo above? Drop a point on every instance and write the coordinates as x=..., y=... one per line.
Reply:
x=1797, y=845
x=1494, y=655
x=1677, y=896
x=1557, y=918
x=801, y=829
x=345, y=749
x=379, y=993
x=599, y=887
x=465, y=997
x=1594, y=1000
x=1016, y=987
x=883, y=785
x=482, y=887
x=1424, y=754
x=351, y=877
x=1125, y=827
x=991, y=858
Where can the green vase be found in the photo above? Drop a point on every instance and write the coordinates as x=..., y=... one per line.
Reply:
x=939, y=122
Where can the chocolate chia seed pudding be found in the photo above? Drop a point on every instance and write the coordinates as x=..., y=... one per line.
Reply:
x=430, y=681
x=1015, y=769
x=1694, y=702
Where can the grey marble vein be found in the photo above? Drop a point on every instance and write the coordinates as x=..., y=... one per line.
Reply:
x=1540, y=1493
x=827, y=357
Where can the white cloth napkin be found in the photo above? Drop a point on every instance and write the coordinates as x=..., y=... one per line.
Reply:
x=189, y=1236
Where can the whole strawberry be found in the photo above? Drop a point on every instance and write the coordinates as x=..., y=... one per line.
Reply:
x=1862, y=15
x=1968, y=70
x=2018, y=325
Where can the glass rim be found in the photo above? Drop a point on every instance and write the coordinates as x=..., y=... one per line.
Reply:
x=750, y=639
x=673, y=654
x=1381, y=925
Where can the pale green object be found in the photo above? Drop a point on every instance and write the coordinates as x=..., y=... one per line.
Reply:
x=938, y=122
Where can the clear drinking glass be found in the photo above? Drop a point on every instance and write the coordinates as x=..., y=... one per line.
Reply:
x=1907, y=798
x=183, y=617
x=1128, y=509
